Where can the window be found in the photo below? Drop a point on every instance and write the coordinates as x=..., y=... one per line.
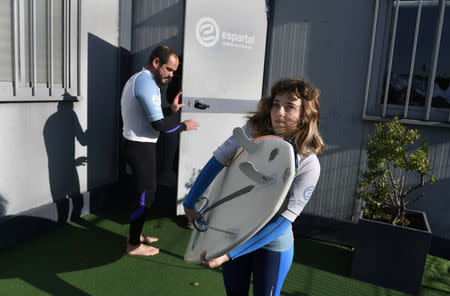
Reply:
x=409, y=64
x=39, y=50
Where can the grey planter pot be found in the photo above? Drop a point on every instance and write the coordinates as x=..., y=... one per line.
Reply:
x=391, y=256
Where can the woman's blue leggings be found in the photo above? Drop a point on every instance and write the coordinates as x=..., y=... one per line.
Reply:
x=269, y=271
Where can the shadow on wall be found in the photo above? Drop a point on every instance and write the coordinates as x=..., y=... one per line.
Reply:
x=60, y=132
x=104, y=72
x=109, y=67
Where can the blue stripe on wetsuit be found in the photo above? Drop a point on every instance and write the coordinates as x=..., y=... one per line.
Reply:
x=140, y=210
x=286, y=258
x=172, y=130
x=204, y=179
x=145, y=89
x=269, y=270
x=273, y=269
x=273, y=229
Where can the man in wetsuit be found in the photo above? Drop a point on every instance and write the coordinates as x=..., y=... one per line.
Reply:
x=143, y=120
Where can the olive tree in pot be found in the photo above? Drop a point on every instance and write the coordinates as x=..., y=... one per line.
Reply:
x=392, y=240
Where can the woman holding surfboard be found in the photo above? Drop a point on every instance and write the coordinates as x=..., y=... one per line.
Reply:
x=291, y=111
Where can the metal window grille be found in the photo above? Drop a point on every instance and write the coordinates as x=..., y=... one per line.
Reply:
x=439, y=116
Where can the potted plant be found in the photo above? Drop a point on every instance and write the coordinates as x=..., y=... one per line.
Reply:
x=392, y=241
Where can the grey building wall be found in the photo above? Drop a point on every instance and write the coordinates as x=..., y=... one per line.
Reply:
x=44, y=143
x=328, y=43
x=154, y=23
x=103, y=90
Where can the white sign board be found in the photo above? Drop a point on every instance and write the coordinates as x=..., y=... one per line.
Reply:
x=223, y=64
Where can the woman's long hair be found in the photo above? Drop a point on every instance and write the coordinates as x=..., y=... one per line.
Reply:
x=305, y=135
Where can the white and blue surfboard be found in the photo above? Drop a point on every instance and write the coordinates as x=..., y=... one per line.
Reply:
x=243, y=197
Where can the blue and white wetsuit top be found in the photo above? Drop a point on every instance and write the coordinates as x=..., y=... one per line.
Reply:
x=141, y=105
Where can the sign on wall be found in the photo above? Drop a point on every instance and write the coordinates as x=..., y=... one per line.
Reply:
x=223, y=64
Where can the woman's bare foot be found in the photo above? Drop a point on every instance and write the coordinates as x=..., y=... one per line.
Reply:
x=142, y=250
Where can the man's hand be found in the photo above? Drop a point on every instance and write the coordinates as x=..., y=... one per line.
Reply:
x=213, y=263
x=191, y=124
x=176, y=103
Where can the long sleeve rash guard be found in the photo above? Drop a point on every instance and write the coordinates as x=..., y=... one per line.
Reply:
x=144, y=90
x=143, y=117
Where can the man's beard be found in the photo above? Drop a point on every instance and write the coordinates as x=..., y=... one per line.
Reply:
x=159, y=79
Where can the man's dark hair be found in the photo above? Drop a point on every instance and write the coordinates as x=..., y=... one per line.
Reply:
x=163, y=53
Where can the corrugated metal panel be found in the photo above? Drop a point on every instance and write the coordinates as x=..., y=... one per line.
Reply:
x=287, y=39
x=440, y=155
x=436, y=203
x=310, y=41
x=155, y=22
x=334, y=192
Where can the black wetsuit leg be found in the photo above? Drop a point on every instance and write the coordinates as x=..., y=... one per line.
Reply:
x=141, y=157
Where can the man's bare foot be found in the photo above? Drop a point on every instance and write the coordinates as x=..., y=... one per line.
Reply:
x=142, y=250
x=148, y=239
x=145, y=239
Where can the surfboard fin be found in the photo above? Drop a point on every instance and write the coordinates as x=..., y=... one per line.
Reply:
x=248, y=145
x=248, y=169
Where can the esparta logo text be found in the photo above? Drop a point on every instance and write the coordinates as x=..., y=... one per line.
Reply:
x=207, y=32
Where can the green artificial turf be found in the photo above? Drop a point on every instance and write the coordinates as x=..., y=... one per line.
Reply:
x=437, y=274
x=87, y=257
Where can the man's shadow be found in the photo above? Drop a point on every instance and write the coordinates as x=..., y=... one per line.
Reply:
x=60, y=132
